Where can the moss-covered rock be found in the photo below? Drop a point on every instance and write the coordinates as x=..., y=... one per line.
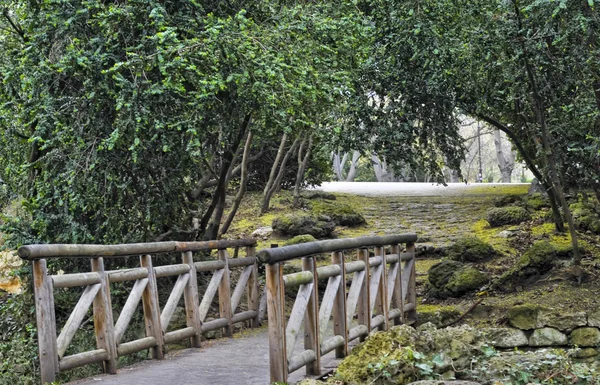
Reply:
x=540, y=255
x=524, y=317
x=509, y=215
x=454, y=279
x=585, y=337
x=437, y=315
x=317, y=194
x=561, y=320
x=340, y=214
x=537, y=201
x=470, y=249
x=547, y=337
x=505, y=337
x=585, y=353
x=585, y=217
x=304, y=238
x=291, y=224
x=507, y=200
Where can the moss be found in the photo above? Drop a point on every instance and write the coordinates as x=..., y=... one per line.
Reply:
x=293, y=224
x=537, y=201
x=524, y=316
x=540, y=255
x=304, y=238
x=585, y=217
x=507, y=200
x=440, y=273
x=585, y=337
x=437, y=314
x=341, y=214
x=510, y=215
x=470, y=249
x=466, y=280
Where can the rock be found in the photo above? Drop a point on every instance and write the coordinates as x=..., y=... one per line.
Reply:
x=507, y=200
x=262, y=232
x=340, y=214
x=585, y=218
x=509, y=215
x=304, y=238
x=540, y=256
x=509, y=233
x=317, y=194
x=318, y=227
x=9, y=262
x=453, y=279
x=585, y=337
x=584, y=353
x=537, y=201
x=547, y=337
x=561, y=321
x=594, y=318
x=470, y=249
x=438, y=316
x=523, y=317
x=505, y=337
x=536, y=188
x=442, y=382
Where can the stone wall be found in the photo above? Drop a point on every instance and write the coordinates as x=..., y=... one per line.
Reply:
x=535, y=326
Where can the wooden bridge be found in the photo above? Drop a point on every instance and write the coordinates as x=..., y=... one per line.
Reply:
x=381, y=293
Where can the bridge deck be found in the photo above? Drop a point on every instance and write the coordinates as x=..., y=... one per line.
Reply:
x=242, y=360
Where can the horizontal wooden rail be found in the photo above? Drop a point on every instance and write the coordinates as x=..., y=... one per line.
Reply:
x=111, y=335
x=381, y=293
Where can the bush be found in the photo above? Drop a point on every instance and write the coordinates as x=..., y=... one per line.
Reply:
x=470, y=249
x=510, y=215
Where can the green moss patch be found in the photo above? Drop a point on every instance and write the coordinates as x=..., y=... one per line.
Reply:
x=454, y=279
x=304, y=238
x=294, y=224
x=510, y=215
x=470, y=249
x=341, y=214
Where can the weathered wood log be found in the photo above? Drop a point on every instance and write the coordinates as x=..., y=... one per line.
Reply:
x=292, y=331
x=225, y=294
x=382, y=296
x=276, y=313
x=214, y=324
x=46, y=322
x=123, y=250
x=174, y=297
x=395, y=283
x=412, y=284
x=377, y=321
x=243, y=316
x=286, y=253
x=171, y=270
x=340, y=327
x=82, y=359
x=326, y=308
x=127, y=275
x=241, y=262
x=190, y=296
x=358, y=331
x=181, y=334
x=363, y=307
x=209, y=266
x=72, y=324
x=103, y=318
x=375, y=261
x=75, y=280
x=311, y=319
x=297, y=279
x=210, y=292
x=300, y=360
x=325, y=272
x=132, y=347
x=353, y=267
x=354, y=295
x=240, y=287
x=152, y=309
x=332, y=343
x=253, y=289
x=129, y=308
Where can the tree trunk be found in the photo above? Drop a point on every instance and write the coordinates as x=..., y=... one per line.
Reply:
x=338, y=165
x=506, y=164
x=302, y=163
x=353, y=166
x=242, y=189
x=275, y=181
x=540, y=109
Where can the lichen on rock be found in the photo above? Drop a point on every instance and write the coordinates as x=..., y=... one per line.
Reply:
x=470, y=249
x=341, y=214
x=454, y=279
x=293, y=224
x=304, y=238
x=585, y=337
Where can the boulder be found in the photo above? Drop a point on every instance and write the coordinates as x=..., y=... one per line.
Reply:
x=594, y=318
x=317, y=226
x=304, y=238
x=340, y=214
x=509, y=215
x=585, y=337
x=505, y=337
x=524, y=317
x=317, y=194
x=561, y=321
x=547, y=337
x=540, y=256
x=536, y=188
x=584, y=353
x=470, y=249
x=262, y=233
x=453, y=279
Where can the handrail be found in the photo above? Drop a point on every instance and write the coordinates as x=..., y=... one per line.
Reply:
x=287, y=253
x=110, y=333
x=31, y=252
x=382, y=293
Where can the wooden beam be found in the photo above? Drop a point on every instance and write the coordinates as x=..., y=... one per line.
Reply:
x=253, y=289
x=129, y=309
x=364, y=307
x=103, y=318
x=210, y=292
x=190, y=296
x=46, y=322
x=276, y=319
x=225, y=293
x=174, y=297
x=340, y=326
x=152, y=309
x=311, y=319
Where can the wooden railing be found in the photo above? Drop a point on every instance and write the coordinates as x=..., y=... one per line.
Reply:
x=109, y=334
x=382, y=291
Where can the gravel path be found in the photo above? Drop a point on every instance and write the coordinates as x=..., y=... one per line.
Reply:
x=408, y=189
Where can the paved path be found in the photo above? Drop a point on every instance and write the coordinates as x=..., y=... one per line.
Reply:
x=409, y=189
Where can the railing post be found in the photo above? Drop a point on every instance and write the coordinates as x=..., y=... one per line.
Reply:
x=340, y=327
x=225, y=294
x=253, y=293
x=190, y=296
x=382, y=296
x=311, y=319
x=364, y=308
x=152, y=309
x=276, y=319
x=397, y=299
x=103, y=318
x=46, y=322
x=411, y=294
